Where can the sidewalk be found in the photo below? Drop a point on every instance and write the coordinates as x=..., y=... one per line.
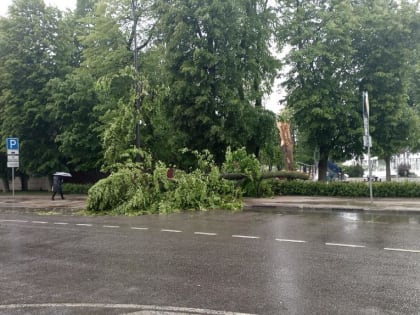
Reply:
x=74, y=203
x=318, y=203
x=42, y=202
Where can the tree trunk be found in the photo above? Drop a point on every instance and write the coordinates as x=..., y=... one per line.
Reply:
x=323, y=165
x=388, y=168
x=24, y=182
x=257, y=151
x=5, y=184
x=286, y=145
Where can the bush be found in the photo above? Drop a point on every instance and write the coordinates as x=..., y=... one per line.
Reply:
x=70, y=188
x=353, y=170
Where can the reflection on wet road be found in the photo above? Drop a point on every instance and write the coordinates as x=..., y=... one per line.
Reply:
x=258, y=263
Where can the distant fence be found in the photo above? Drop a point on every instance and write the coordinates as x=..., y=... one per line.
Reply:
x=382, y=179
x=34, y=183
x=306, y=168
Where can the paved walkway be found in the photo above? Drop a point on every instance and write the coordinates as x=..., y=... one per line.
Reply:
x=74, y=203
x=37, y=202
x=408, y=205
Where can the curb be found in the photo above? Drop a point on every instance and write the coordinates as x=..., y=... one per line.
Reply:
x=300, y=208
x=49, y=211
x=326, y=209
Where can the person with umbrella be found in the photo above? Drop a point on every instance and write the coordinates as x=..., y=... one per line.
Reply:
x=58, y=182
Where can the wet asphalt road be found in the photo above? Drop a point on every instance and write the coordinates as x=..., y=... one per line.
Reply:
x=210, y=263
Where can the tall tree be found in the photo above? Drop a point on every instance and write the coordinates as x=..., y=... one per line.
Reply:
x=257, y=19
x=72, y=97
x=320, y=85
x=30, y=55
x=71, y=104
x=386, y=48
x=413, y=20
x=217, y=62
x=122, y=31
x=90, y=100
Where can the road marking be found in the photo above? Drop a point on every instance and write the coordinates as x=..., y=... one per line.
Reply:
x=170, y=310
x=208, y=234
x=375, y=222
x=245, y=236
x=402, y=250
x=345, y=245
x=291, y=241
x=204, y=233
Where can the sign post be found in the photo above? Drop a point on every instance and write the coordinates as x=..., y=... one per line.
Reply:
x=12, y=145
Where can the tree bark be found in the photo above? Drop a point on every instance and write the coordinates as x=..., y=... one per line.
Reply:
x=24, y=182
x=388, y=168
x=323, y=164
x=286, y=144
x=5, y=184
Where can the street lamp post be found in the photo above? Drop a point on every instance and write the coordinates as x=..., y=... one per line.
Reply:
x=367, y=140
x=136, y=68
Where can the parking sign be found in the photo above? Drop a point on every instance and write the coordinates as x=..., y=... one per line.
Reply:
x=12, y=145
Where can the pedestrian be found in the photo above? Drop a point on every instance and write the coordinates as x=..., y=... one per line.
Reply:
x=57, y=183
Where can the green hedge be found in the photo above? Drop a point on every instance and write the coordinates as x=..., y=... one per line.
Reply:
x=262, y=185
x=347, y=189
x=69, y=188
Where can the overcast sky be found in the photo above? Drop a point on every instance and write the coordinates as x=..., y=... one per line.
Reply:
x=61, y=4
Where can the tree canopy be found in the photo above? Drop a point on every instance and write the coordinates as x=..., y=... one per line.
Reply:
x=75, y=87
x=338, y=50
x=320, y=85
x=31, y=53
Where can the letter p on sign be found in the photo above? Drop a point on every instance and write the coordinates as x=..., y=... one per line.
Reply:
x=12, y=144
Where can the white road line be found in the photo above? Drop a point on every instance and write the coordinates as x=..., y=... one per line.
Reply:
x=345, y=245
x=402, y=250
x=245, y=236
x=39, y=222
x=145, y=308
x=111, y=226
x=204, y=233
x=17, y=221
x=375, y=222
x=139, y=228
x=171, y=231
x=291, y=241
x=61, y=223
x=83, y=224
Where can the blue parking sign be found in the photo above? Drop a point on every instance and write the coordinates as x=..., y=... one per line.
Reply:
x=12, y=144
